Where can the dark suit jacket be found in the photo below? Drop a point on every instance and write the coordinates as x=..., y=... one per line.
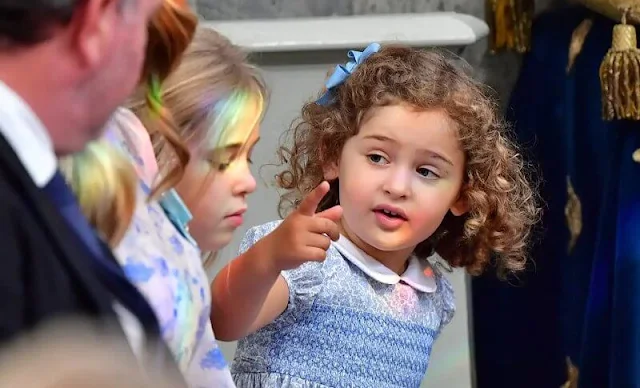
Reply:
x=44, y=272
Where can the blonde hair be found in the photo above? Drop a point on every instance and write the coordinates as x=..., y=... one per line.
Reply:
x=208, y=96
x=104, y=179
x=107, y=183
x=170, y=33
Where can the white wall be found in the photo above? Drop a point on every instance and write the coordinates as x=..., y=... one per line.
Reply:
x=294, y=78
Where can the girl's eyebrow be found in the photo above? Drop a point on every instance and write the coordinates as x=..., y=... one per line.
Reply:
x=438, y=156
x=387, y=139
x=234, y=147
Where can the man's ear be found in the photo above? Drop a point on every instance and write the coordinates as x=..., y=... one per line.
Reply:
x=93, y=26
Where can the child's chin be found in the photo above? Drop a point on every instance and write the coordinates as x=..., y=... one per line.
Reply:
x=217, y=240
x=386, y=242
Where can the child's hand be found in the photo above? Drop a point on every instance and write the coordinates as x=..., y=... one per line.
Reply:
x=304, y=235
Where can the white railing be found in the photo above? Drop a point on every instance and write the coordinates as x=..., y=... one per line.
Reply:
x=346, y=32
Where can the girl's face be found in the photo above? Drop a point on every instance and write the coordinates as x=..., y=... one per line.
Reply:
x=399, y=177
x=216, y=196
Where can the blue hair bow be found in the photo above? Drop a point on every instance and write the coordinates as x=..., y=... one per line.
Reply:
x=342, y=72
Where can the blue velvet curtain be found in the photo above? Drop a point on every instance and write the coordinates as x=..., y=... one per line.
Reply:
x=580, y=301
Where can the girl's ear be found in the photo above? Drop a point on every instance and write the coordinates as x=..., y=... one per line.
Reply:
x=460, y=206
x=330, y=172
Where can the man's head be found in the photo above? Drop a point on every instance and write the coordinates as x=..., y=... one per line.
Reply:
x=73, y=61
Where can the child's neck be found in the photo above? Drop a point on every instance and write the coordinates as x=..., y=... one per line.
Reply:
x=397, y=261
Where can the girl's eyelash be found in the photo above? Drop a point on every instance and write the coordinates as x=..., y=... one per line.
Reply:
x=430, y=172
x=376, y=155
x=223, y=166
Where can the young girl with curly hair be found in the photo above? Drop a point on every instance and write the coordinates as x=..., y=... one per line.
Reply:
x=417, y=164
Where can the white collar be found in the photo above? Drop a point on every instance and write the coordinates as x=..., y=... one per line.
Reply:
x=28, y=137
x=419, y=273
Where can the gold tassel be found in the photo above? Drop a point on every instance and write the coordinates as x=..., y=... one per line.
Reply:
x=577, y=41
x=572, y=375
x=573, y=215
x=510, y=24
x=620, y=74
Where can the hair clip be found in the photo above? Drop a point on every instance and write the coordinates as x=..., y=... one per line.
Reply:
x=342, y=72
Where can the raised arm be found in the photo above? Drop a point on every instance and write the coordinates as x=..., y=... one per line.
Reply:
x=250, y=291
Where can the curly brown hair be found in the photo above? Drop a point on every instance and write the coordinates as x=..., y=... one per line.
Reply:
x=501, y=198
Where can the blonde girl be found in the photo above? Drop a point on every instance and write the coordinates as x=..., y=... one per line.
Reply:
x=192, y=185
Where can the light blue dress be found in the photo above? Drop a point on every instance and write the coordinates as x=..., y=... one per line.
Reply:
x=162, y=260
x=348, y=323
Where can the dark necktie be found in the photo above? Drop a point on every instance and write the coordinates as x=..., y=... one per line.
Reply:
x=108, y=271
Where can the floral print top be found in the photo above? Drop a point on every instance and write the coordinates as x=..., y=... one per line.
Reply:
x=162, y=260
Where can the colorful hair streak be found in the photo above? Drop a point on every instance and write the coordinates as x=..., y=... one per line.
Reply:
x=167, y=143
x=105, y=184
x=155, y=94
x=240, y=112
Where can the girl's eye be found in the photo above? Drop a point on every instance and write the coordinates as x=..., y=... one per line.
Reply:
x=222, y=166
x=222, y=161
x=427, y=173
x=376, y=159
x=219, y=162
